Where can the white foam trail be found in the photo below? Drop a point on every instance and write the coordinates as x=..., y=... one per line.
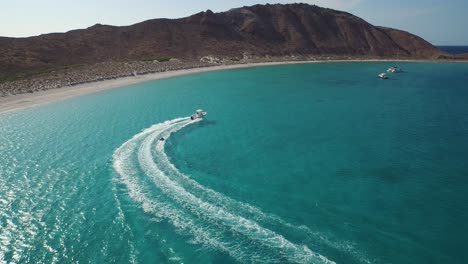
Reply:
x=243, y=209
x=159, y=209
x=212, y=207
x=121, y=218
x=215, y=213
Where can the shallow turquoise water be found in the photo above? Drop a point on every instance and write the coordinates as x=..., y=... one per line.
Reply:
x=297, y=163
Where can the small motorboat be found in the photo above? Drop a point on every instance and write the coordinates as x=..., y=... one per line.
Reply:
x=198, y=114
x=394, y=69
x=383, y=76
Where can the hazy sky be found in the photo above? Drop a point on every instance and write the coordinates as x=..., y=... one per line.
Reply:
x=438, y=21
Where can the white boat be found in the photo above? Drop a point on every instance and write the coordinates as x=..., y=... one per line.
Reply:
x=393, y=69
x=383, y=76
x=198, y=114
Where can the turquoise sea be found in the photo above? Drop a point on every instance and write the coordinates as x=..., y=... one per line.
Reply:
x=314, y=163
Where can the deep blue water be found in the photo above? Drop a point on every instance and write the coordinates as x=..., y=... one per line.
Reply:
x=308, y=163
x=454, y=49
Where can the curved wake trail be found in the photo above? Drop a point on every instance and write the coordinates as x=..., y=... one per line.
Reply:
x=246, y=210
x=211, y=218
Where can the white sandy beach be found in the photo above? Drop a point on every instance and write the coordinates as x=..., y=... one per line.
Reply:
x=21, y=101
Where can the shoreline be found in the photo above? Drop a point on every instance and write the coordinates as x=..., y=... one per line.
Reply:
x=26, y=100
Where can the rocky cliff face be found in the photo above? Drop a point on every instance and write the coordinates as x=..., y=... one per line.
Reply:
x=260, y=30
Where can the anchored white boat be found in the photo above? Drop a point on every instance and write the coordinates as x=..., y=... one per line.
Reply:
x=393, y=69
x=198, y=114
x=383, y=76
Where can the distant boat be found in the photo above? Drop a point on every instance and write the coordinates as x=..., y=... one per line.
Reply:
x=394, y=69
x=383, y=76
x=198, y=114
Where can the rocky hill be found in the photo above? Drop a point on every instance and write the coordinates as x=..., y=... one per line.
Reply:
x=260, y=30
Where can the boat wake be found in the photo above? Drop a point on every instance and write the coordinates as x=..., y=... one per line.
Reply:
x=208, y=217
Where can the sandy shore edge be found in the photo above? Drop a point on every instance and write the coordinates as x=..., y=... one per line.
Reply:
x=22, y=101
